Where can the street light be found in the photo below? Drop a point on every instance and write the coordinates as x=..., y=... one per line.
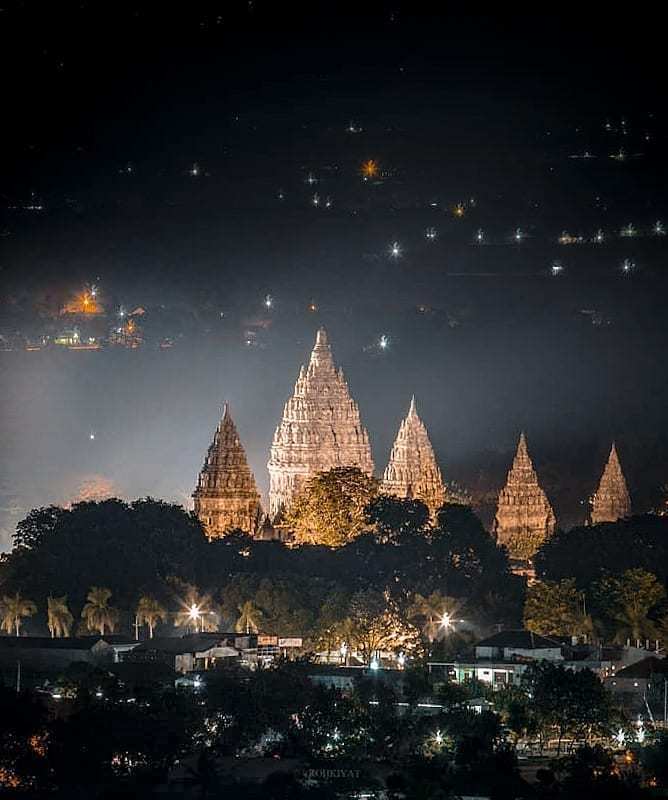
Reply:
x=194, y=614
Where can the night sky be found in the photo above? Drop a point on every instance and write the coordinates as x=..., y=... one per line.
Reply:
x=194, y=160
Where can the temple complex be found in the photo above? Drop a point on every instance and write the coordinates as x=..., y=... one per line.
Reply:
x=611, y=500
x=524, y=516
x=412, y=470
x=320, y=429
x=226, y=496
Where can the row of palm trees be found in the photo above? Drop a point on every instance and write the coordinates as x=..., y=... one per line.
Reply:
x=97, y=614
x=100, y=616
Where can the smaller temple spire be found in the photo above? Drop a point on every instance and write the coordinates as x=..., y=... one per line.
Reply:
x=524, y=516
x=412, y=470
x=226, y=496
x=611, y=500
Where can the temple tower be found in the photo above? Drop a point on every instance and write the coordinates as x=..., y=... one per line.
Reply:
x=611, y=500
x=524, y=516
x=320, y=429
x=226, y=496
x=412, y=470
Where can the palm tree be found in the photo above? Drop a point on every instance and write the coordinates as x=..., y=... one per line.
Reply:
x=250, y=619
x=13, y=609
x=59, y=618
x=97, y=613
x=150, y=612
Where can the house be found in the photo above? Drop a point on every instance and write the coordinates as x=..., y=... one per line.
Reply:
x=519, y=645
x=42, y=654
x=639, y=678
x=194, y=652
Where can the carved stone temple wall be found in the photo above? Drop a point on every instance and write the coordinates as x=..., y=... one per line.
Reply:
x=226, y=496
x=611, y=500
x=412, y=470
x=524, y=516
x=320, y=429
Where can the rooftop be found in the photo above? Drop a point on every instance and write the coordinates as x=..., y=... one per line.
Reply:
x=524, y=640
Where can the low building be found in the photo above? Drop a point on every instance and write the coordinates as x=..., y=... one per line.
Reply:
x=195, y=652
x=639, y=678
x=45, y=655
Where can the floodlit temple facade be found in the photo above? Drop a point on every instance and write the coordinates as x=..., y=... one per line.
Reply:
x=412, y=470
x=524, y=516
x=320, y=429
x=226, y=497
x=611, y=500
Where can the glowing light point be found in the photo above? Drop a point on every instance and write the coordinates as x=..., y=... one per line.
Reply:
x=91, y=436
x=628, y=265
x=620, y=737
x=431, y=234
x=369, y=169
x=459, y=210
x=395, y=250
x=384, y=342
x=600, y=237
x=315, y=200
x=401, y=660
x=480, y=236
x=659, y=228
x=438, y=738
x=518, y=235
x=195, y=170
x=375, y=664
x=311, y=179
x=268, y=301
x=446, y=621
x=557, y=268
x=628, y=230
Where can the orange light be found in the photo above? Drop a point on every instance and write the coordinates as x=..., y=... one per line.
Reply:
x=369, y=169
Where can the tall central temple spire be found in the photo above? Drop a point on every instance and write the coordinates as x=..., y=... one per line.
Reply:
x=524, y=516
x=226, y=497
x=320, y=429
x=611, y=501
x=412, y=470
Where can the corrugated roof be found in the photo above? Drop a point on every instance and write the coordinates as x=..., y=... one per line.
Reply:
x=645, y=669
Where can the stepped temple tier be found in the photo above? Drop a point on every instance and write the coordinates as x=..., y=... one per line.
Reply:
x=226, y=496
x=320, y=429
x=524, y=516
x=412, y=470
x=611, y=501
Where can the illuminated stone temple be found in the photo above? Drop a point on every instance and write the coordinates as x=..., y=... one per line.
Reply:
x=524, y=516
x=320, y=429
x=412, y=470
x=611, y=500
x=226, y=496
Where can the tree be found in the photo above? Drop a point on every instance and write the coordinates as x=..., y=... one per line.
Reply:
x=150, y=612
x=59, y=619
x=376, y=624
x=97, y=613
x=13, y=609
x=574, y=703
x=554, y=609
x=625, y=602
x=331, y=509
x=395, y=519
x=250, y=618
x=40, y=523
x=434, y=612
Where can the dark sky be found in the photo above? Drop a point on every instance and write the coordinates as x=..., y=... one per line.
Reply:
x=108, y=106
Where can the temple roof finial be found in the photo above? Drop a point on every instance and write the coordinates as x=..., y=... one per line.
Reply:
x=412, y=410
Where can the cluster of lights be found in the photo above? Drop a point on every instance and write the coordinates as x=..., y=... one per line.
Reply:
x=431, y=234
